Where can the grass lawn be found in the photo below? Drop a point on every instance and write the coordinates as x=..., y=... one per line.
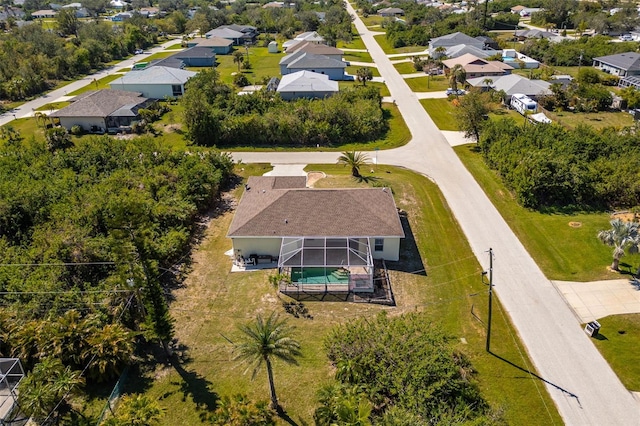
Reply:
x=373, y=21
x=441, y=112
x=53, y=105
x=597, y=120
x=388, y=48
x=213, y=302
x=563, y=252
x=436, y=83
x=353, y=69
x=405, y=67
x=159, y=55
x=103, y=83
x=263, y=64
x=619, y=345
x=174, y=46
x=356, y=43
x=357, y=57
x=384, y=90
x=124, y=69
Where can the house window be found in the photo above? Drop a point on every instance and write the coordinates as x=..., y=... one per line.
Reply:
x=177, y=89
x=378, y=244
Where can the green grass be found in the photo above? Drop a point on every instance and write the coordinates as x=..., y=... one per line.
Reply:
x=214, y=302
x=619, y=346
x=155, y=56
x=436, y=83
x=263, y=64
x=597, y=120
x=352, y=70
x=405, y=67
x=441, y=112
x=373, y=21
x=384, y=90
x=388, y=48
x=124, y=69
x=174, y=46
x=356, y=43
x=53, y=105
x=563, y=252
x=102, y=83
x=357, y=56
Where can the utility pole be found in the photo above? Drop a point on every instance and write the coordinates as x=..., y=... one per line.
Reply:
x=488, y=345
x=580, y=60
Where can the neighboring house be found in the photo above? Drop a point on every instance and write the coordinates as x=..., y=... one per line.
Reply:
x=622, y=64
x=44, y=14
x=118, y=4
x=518, y=60
x=309, y=36
x=332, y=235
x=155, y=82
x=101, y=110
x=196, y=57
x=239, y=34
x=306, y=84
x=149, y=12
x=477, y=67
x=302, y=61
x=528, y=11
x=489, y=43
x=317, y=49
x=528, y=34
x=450, y=40
x=12, y=12
x=463, y=49
x=512, y=84
x=390, y=12
x=122, y=16
x=169, y=62
x=219, y=45
x=517, y=9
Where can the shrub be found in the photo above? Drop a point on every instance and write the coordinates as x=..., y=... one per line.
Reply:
x=76, y=130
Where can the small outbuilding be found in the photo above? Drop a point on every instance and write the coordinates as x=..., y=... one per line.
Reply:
x=272, y=47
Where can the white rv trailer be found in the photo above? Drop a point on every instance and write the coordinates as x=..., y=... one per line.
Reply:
x=523, y=104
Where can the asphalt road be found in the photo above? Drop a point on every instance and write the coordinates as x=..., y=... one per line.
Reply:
x=584, y=388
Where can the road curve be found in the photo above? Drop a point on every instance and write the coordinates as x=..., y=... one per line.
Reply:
x=583, y=386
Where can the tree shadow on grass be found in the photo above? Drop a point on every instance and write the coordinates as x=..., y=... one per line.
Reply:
x=195, y=385
x=367, y=179
x=282, y=413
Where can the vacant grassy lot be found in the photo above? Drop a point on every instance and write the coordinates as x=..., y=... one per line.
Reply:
x=384, y=90
x=563, y=252
x=436, y=83
x=213, y=302
x=619, y=344
x=356, y=42
x=357, y=57
x=441, y=112
x=374, y=21
x=597, y=120
x=405, y=67
x=102, y=83
x=388, y=48
x=263, y=65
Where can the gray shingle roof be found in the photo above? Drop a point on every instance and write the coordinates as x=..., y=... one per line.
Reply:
x=195, y=52
x=453, y=39
x=513, y=84
x=309, y=60
x=307, y=81
x=269, y=209
x=316, y=49
x=103, y=103
x=154, y=75
x=227, y=33
x=628, y=61
x=214, y=42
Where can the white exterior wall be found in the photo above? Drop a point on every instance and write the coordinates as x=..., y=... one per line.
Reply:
x=247, y=246
x=391, y=249
x=335, y=74
x=287, y=96
x=85, y=122
x=153, y=91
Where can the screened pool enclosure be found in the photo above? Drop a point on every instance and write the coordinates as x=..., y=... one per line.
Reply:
x=326, y=264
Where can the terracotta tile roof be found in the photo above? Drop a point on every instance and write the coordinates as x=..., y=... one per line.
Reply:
x=276, y=207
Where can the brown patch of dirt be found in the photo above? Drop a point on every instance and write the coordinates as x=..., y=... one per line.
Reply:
x=172, y=127
x=625, y=216
x=313, y=177
x=575, y=224
x=125, y=136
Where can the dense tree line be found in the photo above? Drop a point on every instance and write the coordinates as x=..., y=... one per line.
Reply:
x=215, y=115
x=132, y=204
x=586, y=93
x=569, y=52
x=549, y=166
x=401, y=370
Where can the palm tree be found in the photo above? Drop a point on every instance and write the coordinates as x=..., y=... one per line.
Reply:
x=622, y=236
x=266, y=340
x=355, y=160
x=238, y=58
x=488, y=82
x=363, y=75
x=113, y=347
x=457, y=75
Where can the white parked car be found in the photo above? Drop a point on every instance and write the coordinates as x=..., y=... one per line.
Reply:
x=626, y=37
x=454, y=92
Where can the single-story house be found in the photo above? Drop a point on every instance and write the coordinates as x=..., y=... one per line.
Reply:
x=489, y=43
x=155, y=82
x=11, y=12
x=306, y=84
x=101, y=110
x=239, y=34
x=390, y=12
x=462, y=49
x=44, y=14
x=122, y=16
x=517, y=9
x=169, y=62
x=450, y=40
x=621, y=64
x=219, y=45
x=196, y=57
x=324, y=239
x=302, y=61
x=118, y=4
x=310, y=36
x=317, y=49
x=477, y=67
x=512, y=84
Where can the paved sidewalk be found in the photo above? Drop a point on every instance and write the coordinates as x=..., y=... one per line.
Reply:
x=362, y=64
x=597, y=299
x=431, y=95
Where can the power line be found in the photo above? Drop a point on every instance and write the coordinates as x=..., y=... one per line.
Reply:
x=57, y=264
